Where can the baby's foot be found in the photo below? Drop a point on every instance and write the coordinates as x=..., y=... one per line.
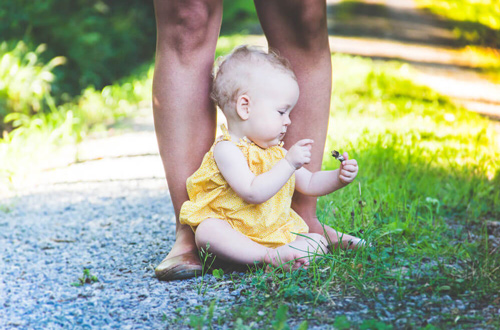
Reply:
x=357, y=243
x=287, y=257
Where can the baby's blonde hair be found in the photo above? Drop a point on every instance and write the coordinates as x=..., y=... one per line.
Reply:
x=233, y=71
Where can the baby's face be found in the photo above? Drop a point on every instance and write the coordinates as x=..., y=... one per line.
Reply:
x=272, y=99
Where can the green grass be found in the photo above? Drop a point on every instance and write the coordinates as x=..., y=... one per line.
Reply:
x=485, y=12
x=429, y=178
x=415, y=143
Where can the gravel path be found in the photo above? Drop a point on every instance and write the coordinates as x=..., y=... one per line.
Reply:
x=119, y=230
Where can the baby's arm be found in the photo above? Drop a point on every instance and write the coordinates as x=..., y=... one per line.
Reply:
x=324, y=182
x=258, y=189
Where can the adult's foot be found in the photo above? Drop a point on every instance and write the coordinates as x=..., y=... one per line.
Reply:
x=183, y=260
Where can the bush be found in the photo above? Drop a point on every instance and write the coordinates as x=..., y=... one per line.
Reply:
x=25, y=81
x=239, y=15
x=103, y=40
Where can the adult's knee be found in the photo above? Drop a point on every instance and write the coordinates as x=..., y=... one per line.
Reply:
x=310, y=21
x=187, y=25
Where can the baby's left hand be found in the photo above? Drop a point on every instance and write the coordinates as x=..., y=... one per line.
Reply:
x=348, y=169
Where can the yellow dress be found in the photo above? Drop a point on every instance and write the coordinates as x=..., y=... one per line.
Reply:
x=272, y=223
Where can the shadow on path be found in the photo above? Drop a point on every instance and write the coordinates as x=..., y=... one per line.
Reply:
x=398, y=21
x=398, y=30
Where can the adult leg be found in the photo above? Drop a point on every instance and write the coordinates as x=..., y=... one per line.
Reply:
x=298, y=30
x=184, y=116
x=230, y=245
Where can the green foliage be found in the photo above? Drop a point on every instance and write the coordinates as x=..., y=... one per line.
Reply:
x=87, y=278
x=238, y=17
x=25, y=81
x=119, y=100
x=41, y=134
x=205, y=320
x=102, y=40
x=218, y=273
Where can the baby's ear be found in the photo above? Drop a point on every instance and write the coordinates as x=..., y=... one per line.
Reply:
x=243, y=107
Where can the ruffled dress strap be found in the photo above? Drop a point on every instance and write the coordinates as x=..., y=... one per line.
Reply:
x=243, y=144
x=225, y=133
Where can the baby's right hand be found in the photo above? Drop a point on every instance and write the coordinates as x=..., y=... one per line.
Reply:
x=300, y=153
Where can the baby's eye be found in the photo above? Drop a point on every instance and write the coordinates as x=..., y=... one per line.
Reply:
x=282, y=112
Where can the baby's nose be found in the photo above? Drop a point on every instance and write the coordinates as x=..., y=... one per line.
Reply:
x=287, y=121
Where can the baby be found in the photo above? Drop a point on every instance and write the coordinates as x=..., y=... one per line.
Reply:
x=240, y=197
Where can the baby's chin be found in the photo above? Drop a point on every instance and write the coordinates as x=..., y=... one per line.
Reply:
x=268, y=144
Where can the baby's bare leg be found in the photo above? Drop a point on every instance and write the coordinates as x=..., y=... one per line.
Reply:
x=227, y=243
x=231, y=245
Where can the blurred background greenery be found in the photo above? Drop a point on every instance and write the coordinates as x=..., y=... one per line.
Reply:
x=62, y=48
x=67, y=69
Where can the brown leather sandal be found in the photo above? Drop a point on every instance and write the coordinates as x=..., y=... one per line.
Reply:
x=183, y=266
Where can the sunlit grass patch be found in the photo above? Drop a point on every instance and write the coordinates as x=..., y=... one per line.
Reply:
x=37, y=138
x=416, y=141
x=486, y=60
x=486, y=12
x=474, y=22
